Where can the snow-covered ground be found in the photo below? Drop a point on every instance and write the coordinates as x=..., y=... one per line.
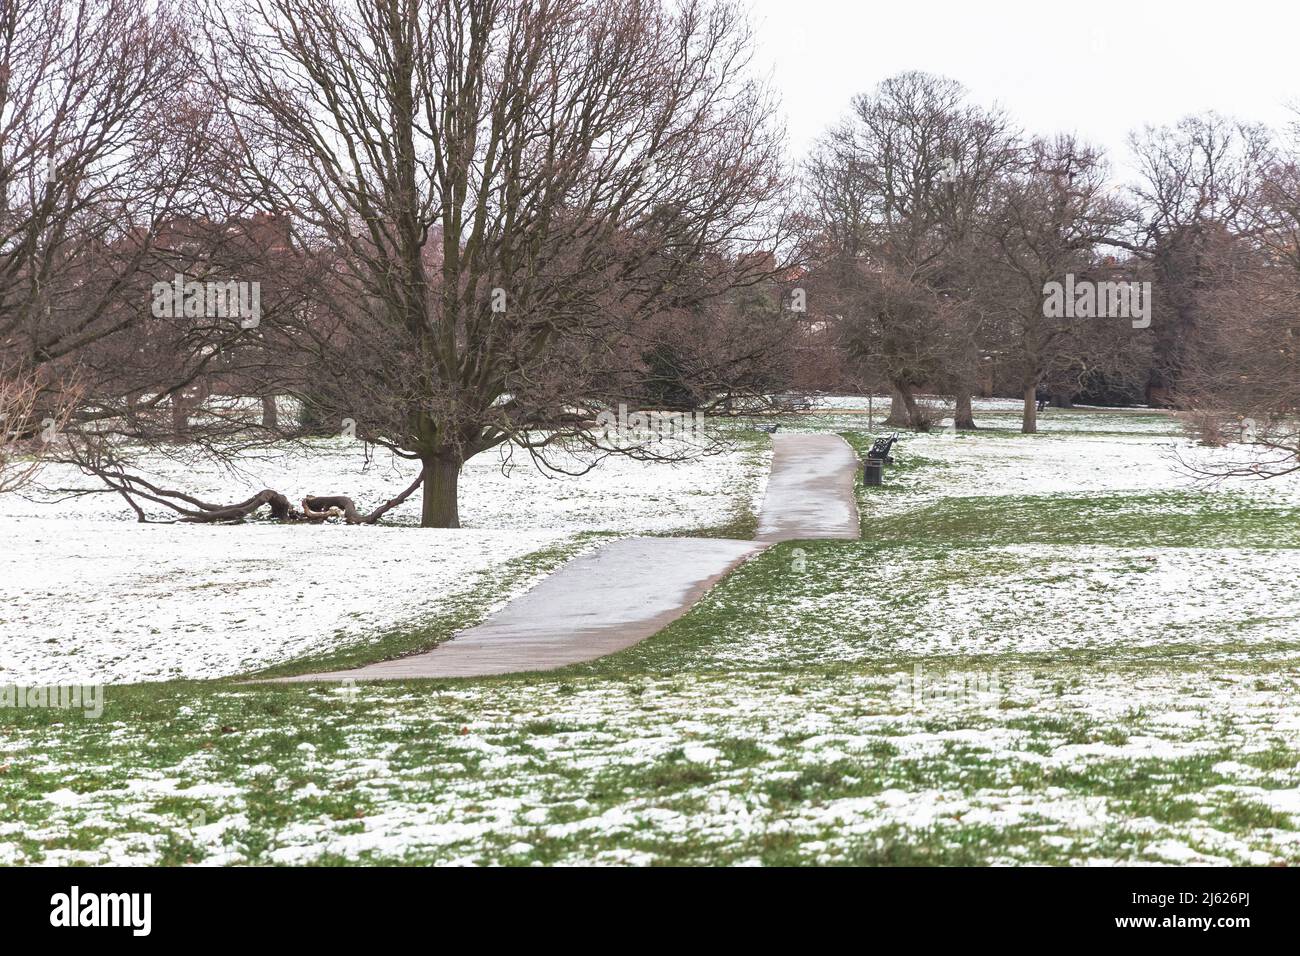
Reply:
x=1076, y=464
x=497, y=492
x=861, y=403
x=1066, y=766
x=87, y=594
x=992, y=416
x=983, y=583
x=1137, y=702
x=1022, y=599
x=110, y=603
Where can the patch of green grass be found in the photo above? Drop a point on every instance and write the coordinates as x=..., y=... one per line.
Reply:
x=1277, y=757
x=952, y=845
x=1173, y=519
x=1245, y=815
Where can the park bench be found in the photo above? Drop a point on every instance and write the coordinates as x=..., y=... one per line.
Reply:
x=880, y=448
x=873, y=466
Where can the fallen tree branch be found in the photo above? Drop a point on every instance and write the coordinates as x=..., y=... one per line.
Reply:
x=280, y=509
x=192, y=510
x=320, y=507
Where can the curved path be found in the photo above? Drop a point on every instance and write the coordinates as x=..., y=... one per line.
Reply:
x=625, y=591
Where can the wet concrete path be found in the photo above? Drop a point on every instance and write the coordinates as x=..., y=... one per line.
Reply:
x=631, y=588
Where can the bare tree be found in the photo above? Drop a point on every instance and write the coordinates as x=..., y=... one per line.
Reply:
x=1198, y=180
x=509, y=193
x=898, y=188
x=1052, y=214
x=1244, y=379
x=20, y=442
x=94, y=112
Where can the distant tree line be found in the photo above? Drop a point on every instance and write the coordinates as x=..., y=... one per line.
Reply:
x=935, y=226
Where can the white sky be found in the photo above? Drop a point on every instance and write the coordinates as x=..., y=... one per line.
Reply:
x=1099, y=68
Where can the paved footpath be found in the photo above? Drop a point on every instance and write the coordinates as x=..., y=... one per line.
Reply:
x=624, y=591
x=810, y=492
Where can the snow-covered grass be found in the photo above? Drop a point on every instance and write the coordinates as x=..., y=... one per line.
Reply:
x=88, y=595
x=861, y=403
x=1046, y=649
x=994, y=416
x=113, y=603
x=938, y=467
x=1065, y=764
x=498, y=491
x=809, y=605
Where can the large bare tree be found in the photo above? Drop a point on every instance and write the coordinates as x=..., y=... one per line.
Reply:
x=514, y=197
x=1243, y=381
x=95, y=113
x=898, y=189
x=1052, y=212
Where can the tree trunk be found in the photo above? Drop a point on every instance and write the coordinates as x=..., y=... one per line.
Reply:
x=903, y=412
x=898, y=413
x=1030, y=423
x=270, y=412
x=180, y=416
x=913, y=410
x=964, y=418
x=441, y=476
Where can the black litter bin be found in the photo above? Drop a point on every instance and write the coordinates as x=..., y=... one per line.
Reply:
x=873, y=471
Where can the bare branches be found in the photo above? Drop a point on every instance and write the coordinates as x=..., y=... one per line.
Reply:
x=513, y=197
x=319, y=507
x=21, y=431
x=99, y=460
x=88, y=164
x=900, y=191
